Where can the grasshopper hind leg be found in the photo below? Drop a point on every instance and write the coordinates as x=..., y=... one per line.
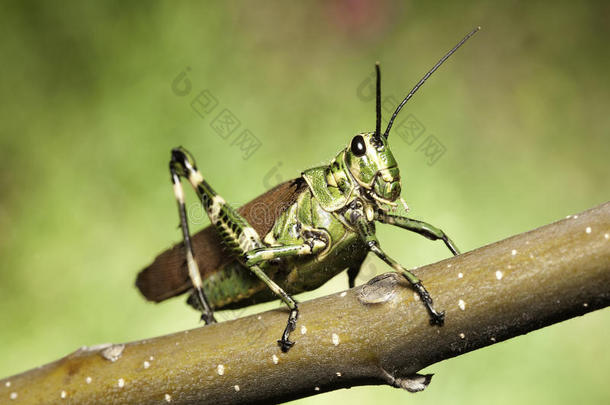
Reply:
x=207, y=314
x=239, y=237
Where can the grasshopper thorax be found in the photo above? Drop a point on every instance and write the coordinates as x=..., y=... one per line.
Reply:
x=372, y=165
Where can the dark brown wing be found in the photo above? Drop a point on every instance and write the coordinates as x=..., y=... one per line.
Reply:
x=167, y=276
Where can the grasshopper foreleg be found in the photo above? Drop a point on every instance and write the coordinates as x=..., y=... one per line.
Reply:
x=420, y=227
x=367, y=233
x=436, y=318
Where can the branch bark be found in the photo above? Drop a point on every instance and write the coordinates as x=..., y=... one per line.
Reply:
x=373, y=334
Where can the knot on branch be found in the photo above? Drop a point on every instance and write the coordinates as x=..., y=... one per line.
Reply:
x=411, y=383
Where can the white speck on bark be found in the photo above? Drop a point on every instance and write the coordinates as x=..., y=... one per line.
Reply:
x=335, y=339
x=462, y=304
x=220, y=369
x=499, y=275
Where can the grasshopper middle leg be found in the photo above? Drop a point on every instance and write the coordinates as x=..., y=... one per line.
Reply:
x=314, y=243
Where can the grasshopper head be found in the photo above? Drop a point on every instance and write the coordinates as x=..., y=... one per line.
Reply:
x=368, y=157
x=372, y=164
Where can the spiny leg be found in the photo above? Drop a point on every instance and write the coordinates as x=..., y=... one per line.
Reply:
x=285, y=343
x=436, y=318
x=366, y=231
x=236, y=233
x=313, y=245
x=420, y=227
x=241, y=238
x=257, y=256
x=207, y=315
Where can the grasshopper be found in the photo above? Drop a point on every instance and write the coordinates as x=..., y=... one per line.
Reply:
x=296, y=236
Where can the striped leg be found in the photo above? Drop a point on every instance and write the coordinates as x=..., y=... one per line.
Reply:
x=366, y=231
x=207, y=315
x=241, y=239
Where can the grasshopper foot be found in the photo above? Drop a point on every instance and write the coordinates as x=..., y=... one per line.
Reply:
x=208, y=318
x=285, y=342
x=285, y=345
x=436, y=318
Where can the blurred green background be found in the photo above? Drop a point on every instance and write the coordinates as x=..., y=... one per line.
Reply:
x=89, y=116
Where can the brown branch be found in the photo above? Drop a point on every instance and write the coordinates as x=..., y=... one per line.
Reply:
x=374, y=334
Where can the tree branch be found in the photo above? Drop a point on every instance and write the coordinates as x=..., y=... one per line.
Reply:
x=374, y=334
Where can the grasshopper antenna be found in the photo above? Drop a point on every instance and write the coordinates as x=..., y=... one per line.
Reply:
x=423, y=79
x=378, y=102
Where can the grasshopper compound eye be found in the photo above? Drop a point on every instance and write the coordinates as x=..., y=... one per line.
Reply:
x=358, y=148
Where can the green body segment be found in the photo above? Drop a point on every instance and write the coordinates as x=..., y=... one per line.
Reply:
x=235, y=286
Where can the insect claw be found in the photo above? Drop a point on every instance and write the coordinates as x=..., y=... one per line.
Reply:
x=437, y=318
x=284, y=342
x=208, y=318
x=285, y=345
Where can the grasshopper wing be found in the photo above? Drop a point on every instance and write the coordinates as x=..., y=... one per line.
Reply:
x=167, y=276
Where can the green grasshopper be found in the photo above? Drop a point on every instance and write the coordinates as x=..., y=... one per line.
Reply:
x=296, y=236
